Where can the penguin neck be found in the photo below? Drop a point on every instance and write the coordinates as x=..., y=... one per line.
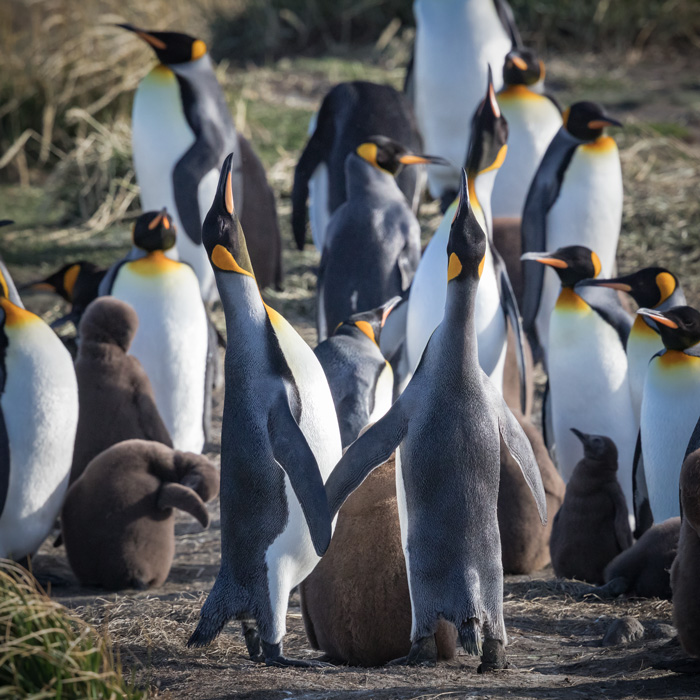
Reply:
x=194, y=69
x=363, y=180
x=243, y=306
x=480, y=190
x=677, y=298
x=459, y=321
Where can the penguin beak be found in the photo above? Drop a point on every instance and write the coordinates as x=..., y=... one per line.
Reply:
x=603, y=122
x=224, y=191
x=161, y=218
x=611, y=284
x=545, y=259
x=37, y=287
x=583, y=437
x=388, y=308
x=412, y=159
x=491, y=94
x=518, y=62
x=657, y=317
x=148, y=38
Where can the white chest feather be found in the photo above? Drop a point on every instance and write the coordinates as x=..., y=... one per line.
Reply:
x=643, y=343
x=383, y=394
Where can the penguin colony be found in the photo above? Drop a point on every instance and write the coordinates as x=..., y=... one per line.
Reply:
x=408, y=377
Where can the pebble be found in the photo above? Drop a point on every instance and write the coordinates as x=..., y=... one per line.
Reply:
x=623, y=631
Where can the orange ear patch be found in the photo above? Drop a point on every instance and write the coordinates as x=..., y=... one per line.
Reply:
x=454, y=267
x=199, y=48
x=366, y=328
x=223, y=259
x=69, y=278
x=666, y=285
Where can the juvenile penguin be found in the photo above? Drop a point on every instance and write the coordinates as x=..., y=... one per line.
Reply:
x=355, y=604
x=372, y=242
x=115, y=396
x=685, y=572
x=118, y=522
x=592, y=525
x=670, y=405
x=350, y=114
x=182, y=127
x=38, y=419
x=449, y=526
x=279, y=442
x=360, y=379
x=172, y=341
x=456, y=41
x=587, y=363
x=575, y=199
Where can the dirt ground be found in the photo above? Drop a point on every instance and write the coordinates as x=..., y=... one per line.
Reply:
x=555, y=631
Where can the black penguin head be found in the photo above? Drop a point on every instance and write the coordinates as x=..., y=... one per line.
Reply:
x=597, y=447
x=586, y=120
x=61, y=282
x=466, y=248
x=572, y=263
x=679, y=327
x=648, y=287
x=154, y=230
x=522, y=67
x=369, y=322
x=222, y=235
x=389, y=155
x=109, y=320
x=171, y=47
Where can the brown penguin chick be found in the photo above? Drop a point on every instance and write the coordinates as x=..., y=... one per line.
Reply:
x=355, y=604
x=685, y=572
x=524, y=540
x=592, y=525
x=643, y=569
x=511, y=375
x=116, y=401
x=117, y=520
x=508, y=241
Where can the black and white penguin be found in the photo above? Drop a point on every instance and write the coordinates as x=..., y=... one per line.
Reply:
x=38, y=420
x=360, y=378
x=182, y=127
x=173, y=337
x=449, y=401
x=372, y=242
x=350, y=114
x=575, y=199
x=279, y=442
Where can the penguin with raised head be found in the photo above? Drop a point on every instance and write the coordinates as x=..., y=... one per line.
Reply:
x=360, y=378
x=587, y=363
x=173, y=338
x=350, y=114
x=669, y=427
x=495, y=302
x=38, y=419
x=372, y=242
x=449, y=526
x=182, y=127
x=575, y=199
x=279, y=442
x=456, y=41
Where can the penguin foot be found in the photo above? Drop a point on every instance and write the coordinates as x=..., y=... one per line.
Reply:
x=423, y=653
x=252, y=642
x=493, y=657
x=613, y=588
x=273, y=657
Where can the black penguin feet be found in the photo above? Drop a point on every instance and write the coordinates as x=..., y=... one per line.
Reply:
x=423, y=653
x=273, y=657
x=252, y=642
x=493, y=657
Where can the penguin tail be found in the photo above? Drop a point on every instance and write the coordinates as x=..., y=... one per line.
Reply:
x=470, y=636
x=214, y=616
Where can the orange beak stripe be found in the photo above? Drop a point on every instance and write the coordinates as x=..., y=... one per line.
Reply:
x=616, y=285
x=553, y=262
x=598, y=124
x=410, y=159
x=155, y=43
x=663, y=321
x=155, y=222
x=519, y=63
x=228, y=197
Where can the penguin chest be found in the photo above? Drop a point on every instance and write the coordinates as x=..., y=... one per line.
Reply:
x=670, y=411
x=643, y=343
x=40, y=410
x=383, y=393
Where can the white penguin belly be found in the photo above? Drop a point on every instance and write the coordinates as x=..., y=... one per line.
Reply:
x=456, y=40
x=643, y=343
x=383, y=394
x=40, y=409
x=670, y=410
x=171, y=341
x=588, y=388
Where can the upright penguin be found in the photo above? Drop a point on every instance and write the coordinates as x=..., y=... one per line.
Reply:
x=279, y=442
x=456, y=41
x=575, y=199
x=449, y=526
x=38, y=419
x=350, y=114
x=182, y=127
x=173, y=338
x=372, y=242
x=360, y=379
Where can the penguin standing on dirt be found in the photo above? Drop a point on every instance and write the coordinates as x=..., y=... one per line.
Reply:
x=447, y=497
x=350, y=114
x=38, y=419
x=182, y=127
x=372, y=242
x=575, y=199
x=172, y=341
x=279, y=442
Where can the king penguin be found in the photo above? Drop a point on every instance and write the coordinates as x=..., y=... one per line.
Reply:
x=172, y=341
x=372, y=244
x=587, y=364
x=449, y=525
x=38, y=420
x=182, y=126
x=455, y=42
x=575, y=199
x=279, y=442
x=495, y=301
x=350, y=114
x=669, y=428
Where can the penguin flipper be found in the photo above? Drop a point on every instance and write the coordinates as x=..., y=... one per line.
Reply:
x=173, y=495
x=369, y=451
x=294, y=456
x=621, y=523
x=643, y=517
x=505, y=14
